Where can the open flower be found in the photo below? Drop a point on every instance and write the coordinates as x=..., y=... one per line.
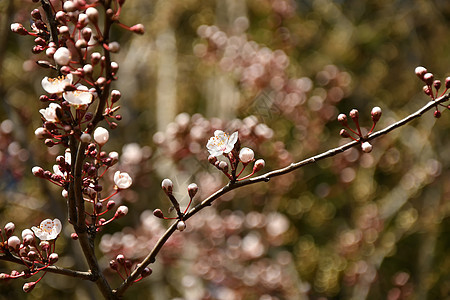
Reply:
x=56, y=85
x=48, y=229
x=49, y=113
x=221, y=143
x=80, y=97
x=122, y=180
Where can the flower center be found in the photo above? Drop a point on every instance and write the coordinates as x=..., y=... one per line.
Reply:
x=47, y=226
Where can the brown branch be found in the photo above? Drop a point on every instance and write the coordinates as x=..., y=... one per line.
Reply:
x=151, y=257
x=51, y=269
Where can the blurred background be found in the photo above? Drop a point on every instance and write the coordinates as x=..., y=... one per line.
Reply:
x=355, y=226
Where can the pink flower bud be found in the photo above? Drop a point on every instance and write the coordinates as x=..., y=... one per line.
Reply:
x=28, y=287
x=63, y=30
x=4, y=276
x=38, y=171
x=86, y=33
x=121, y=211
x=19, y=29
x=110, y=204
x=114, y=47
x=14, y=243
x=69, y=6
x=101, y=135
x=74, y=236
x=437, y=114
x=113, y=264
x=428, y=78
x=9, y=228
x=212, y=159
x=366, y=147
x=26, y=232
x=223, y=166
x=82, y=20
x=354, y=114
x=427, y=90
x=246, y=155
x=192, y=190
x=437, y=84
x=342, y=118
x=92, y=14
x=420, y=71
x=95, y=58
x=62, y=56
x=122, y=180
x=41, y=133
x=45, y=245
x=115, y=96
x=146, y=272
x=447, y=83
x=158, y=213
x=138, y=28
x=344, y=133
x=85, y=137
x=114, y=67
x=52, y=258
x=181, y=226
x=259, y=164
x=167, y=186
x=120, y=258
x=376, y=113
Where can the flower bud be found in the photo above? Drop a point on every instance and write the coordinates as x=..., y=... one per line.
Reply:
x=19, y=29
x=101, y=136
x=437, y=84
x=114, y=47
x=342, y=118
x=420, y=71
x=376, y=113
x=121, y=211
x=114, y=67
x=115, y=96
x=92, y=14
x=344, y=133
x=181, y=226
x=85, y=137
x=158, y=213
x=366, y=147
x=427, y=90
x=113, y=264
x=9, y=228
x=26, y=232
x=14, y=243
x=354, y=114
x=259, y=164
x=167, y=186
x=45, y=245
x=192, y=190
x=95, y=58
x=69, y=6
x=447, y=83
x=246, y=155
x=60, y=16
x=212, y=159
x=52, y=258
x=110, y=204
x=87, y=34
x=138, y=28
x=65, y=194
x=82, y=21
x=74, y=236
x=437, y=114
x=146, y=272
x=38, y=171
x=62, y=56
x=63, y=30
x=223, y=166
x=428, y=78
x=98, y=207
x=120, y=258
x=28, y=287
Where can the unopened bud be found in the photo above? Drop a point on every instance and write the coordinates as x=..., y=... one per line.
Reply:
x=38, y=171
x=28, y=287
x=138, y=28
x=259, y=164
x=342, y=118
x=45, y=245
x=114, y=47
x=212, y=159
x=110, y=204
x=447, y=83
x=19, y=29
x=428, y=78
x=344, y=133
x=101, y=135
x=120, y=258
x=85, y=137
x=246, y=155
x=35, y=14
x=354, y=114
x=9, y=228
x=223, y=166
x=167, y=186
x=427, y=90
x=366, y=147
x=52, y=258
x=92, y=14
x=113, y=264
x=146, y=272
x=121, y=211
x=437, y=114
x=181, y=226
x=158, y=213
x=115, y=96
x=114, y=67
x=14, y=242
x=420, y=71
x=74, y=236
x=192, y=190
x=376, y=113
x=437, y=84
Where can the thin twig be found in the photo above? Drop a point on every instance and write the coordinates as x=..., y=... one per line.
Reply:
x=265, y=178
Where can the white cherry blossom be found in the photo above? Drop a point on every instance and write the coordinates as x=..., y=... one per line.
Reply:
x=221, y=143
x=56, y=85
x=122, y=180
x=49, y=113
x=48, y=229
x=80, y=97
